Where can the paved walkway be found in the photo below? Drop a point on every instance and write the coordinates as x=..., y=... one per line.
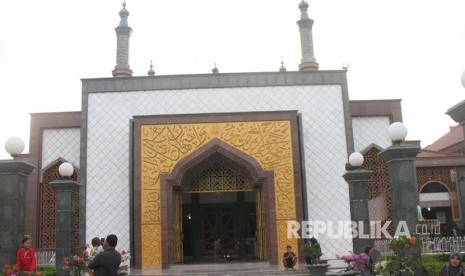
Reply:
x=225, y=269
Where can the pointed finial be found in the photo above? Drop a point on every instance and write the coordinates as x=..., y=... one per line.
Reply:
x=124, y=13
x=282, y=68
x=215, y=70
x=151, y=72
x=303, y=6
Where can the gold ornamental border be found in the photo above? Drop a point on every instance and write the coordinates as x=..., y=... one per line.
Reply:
x=163, y=146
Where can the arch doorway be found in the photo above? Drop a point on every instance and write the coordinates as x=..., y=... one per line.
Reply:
x=435, y=202
x=222, y=195
x=219, y=203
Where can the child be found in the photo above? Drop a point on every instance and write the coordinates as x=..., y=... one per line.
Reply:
x=96, y=247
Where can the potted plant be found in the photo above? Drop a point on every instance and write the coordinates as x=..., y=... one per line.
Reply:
x=312, y=251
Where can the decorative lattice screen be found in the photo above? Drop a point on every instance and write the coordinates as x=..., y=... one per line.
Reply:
x=218, y=178
x=378, y=186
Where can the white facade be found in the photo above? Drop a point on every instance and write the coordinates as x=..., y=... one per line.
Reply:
x=108, y=146
x=61, y=143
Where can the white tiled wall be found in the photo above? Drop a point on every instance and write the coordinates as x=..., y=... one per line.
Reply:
x=108, y=146
x=61, y=143
x=371, y=130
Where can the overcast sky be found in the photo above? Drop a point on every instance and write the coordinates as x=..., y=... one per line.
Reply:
x=412, y=50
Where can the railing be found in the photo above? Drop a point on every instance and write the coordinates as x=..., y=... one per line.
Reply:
x=436, y=245
x=383, y=247
x=45, y=258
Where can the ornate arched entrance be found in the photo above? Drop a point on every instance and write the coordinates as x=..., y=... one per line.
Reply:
x=170, y=153
x=211, y=193
x=217, y=204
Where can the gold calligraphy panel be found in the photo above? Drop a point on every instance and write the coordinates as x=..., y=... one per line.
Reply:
x=151, y=245
x=283, y=240
x=268, y=142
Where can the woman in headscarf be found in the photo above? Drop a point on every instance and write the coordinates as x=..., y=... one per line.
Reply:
x=454, y=267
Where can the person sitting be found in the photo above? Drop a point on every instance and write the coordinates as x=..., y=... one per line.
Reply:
x=25, y=257
x=454, y=267
x=375, y=257
x=289, y=258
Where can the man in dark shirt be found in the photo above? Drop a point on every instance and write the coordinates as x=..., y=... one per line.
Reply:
x=289, y=258
x=107, y=262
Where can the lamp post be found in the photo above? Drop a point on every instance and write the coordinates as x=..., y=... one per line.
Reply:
x=399, y=159
x=65, y=187
x=357, y=178
x=13, y=198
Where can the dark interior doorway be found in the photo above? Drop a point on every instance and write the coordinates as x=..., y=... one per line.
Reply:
x=229, y=216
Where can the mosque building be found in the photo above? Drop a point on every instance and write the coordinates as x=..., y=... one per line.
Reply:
x=171, y=163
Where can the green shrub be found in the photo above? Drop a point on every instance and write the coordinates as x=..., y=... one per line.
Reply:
x=432, y=263
x=47, y=270
x=313, y=251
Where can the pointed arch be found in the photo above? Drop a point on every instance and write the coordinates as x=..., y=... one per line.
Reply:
x=216, y=151
x=212, y=152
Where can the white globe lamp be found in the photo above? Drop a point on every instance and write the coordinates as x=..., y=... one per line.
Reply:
x=397, y=132
x=356, y=159
x=463, y=78
x=14, y=146
x=66, y=169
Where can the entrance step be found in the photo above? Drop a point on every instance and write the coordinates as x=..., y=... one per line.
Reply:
x=224, y=269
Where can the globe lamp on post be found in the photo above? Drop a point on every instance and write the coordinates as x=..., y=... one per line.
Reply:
x=397, y=132
x=357, y=180
x=403, y=189
x=66, y=170
x=356, y=160
x=66, y=207
x=14, y=146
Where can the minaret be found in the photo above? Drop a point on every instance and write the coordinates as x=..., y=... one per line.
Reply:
x=151, y=72
x=215, y=70
x=308, y=62
x=123, y=33
x=282, y=68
